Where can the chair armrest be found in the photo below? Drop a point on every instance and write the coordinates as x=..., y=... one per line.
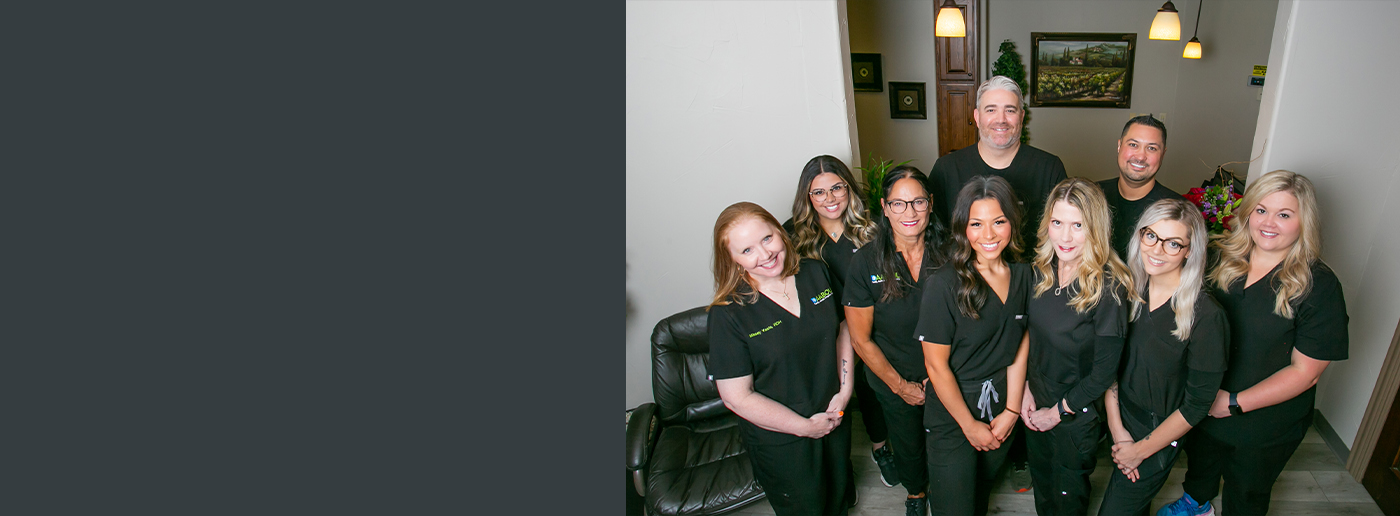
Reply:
x=639, y=435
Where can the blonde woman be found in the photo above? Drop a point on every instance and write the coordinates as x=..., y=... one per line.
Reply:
x=782, y=361
x=1078, y=323
x=1288, y=320
x=1174, y=357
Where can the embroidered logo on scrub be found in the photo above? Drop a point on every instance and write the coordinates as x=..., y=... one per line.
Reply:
x=821, y=297
x=880, y=278
x=760, y=332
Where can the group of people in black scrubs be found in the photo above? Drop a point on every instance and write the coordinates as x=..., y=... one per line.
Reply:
x=958, y=336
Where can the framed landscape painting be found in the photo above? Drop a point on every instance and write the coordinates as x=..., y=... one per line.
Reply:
x=1082, y=69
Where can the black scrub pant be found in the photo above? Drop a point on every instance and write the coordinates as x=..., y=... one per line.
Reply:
x=807, y=477
x=870, y=409
x=960, y=477
x=1249, y=470
x=1060, y=462
x=906, y=433
x=1125, y=497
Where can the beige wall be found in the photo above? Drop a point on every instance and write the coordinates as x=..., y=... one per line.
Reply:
x=1317, y=126
x=901, y=31
x=725, y=103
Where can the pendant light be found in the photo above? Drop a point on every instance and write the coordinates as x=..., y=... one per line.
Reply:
x=1193, y=47
x=1167, y=25
x=950, y=21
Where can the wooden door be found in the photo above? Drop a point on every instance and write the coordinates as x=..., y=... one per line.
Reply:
x=956, y=87
x=957, y=57
x=956, y=129
x=1382, y=478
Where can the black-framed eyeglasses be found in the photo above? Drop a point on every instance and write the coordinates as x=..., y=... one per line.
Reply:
x=898, y=206
x=837, y=190
x=1172, y=246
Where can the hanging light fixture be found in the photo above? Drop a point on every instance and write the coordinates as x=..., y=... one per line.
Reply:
x=950, y=21
x=1193, y=47
x=1167, y=25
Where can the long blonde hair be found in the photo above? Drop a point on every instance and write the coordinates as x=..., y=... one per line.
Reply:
x=1294, y=278
x=1193, y=267
x=1098, y=258
x=807, y=232
x=729, y=275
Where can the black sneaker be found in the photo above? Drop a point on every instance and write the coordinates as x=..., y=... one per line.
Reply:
x=916, y=506
x=1020, y=478
x=884, y=458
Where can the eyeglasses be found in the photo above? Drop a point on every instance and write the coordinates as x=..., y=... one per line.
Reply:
x=897, y=207
x=837, y=190
x=1172, y=246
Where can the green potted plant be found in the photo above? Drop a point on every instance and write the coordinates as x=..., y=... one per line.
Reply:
x=874, y=177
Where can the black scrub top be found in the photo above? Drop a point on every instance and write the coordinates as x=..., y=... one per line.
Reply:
x=1074, y=356
x=982, y=347
x=837, y=256
x=792, y=359
x=892, y=328
x=1156, y=365
x=1261, y=343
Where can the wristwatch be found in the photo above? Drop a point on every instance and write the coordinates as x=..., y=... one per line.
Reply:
x=1235, y=409
x=1064, y=410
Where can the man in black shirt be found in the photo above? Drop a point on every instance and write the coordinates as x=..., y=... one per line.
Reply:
x=1032, y=172
x=1141, y=147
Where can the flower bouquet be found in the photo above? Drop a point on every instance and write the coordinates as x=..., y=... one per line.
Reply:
x=1217, y=204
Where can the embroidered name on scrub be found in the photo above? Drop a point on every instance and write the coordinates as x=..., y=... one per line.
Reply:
x=821, y=297
x=760, y=332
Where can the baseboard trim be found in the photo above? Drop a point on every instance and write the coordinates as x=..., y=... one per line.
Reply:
x=1329, y=436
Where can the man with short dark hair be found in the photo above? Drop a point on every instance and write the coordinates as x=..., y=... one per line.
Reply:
x=1032, y=172
x=1141, y=147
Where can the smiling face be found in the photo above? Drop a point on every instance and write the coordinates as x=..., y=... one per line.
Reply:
x=988, y=230
x=911, y=222
x=1067, y=232
x=1274, y=225
x=1157, y=259
x=756, y=246
x=828, y=205
x=998, y=118
x=1140, y=154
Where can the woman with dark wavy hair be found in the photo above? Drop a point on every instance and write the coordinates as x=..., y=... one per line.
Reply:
x=972, y=324
x=829, y=223
x=884, y=285
x=782, y=361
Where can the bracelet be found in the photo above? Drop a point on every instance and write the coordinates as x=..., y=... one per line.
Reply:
x=1008, y=409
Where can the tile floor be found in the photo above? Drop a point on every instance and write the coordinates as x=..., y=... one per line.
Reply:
x=1313, y=483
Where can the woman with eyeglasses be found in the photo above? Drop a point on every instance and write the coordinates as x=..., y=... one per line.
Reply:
x=972, y=327
x=884, y=284
x=829, y=223
x=1288, y=321
x=1078, y=323
x=1174, y=359
x=782, y=361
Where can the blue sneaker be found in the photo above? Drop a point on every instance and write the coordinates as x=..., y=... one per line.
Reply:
x=1186, y=506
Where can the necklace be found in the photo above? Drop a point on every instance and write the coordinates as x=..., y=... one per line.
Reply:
x=784, y=292
x=1059, y=287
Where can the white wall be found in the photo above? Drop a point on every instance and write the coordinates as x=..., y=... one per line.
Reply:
x=1319, y=123
x=725, y=103
x=1210, y=107
x=901, y=31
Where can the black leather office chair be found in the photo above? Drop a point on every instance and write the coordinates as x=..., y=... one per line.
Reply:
x=684, y=450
